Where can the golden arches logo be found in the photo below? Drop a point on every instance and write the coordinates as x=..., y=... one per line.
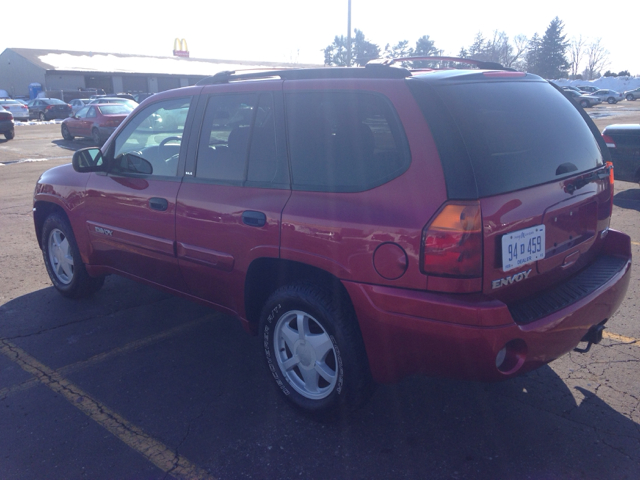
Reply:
x=180, y=48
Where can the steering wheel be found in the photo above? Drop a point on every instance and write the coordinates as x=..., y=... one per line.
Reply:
x=164, y=142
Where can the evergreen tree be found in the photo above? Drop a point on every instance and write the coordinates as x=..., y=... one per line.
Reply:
x=361, y=50
x=552, y=61
x=533, y=56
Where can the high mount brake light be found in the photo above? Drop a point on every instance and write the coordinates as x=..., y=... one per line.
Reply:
x=504, y=74
x=452, y=241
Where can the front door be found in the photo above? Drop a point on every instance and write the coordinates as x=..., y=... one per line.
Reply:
x=131, y=209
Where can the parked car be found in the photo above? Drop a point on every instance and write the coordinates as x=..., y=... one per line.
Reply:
x=19, y=110
x=367, y=223
x=77, y=104
x=582, y=99
x=571, y=89
x=623, y=141
x=609, y=96
x=139, y=97
x=588, y=88
x=124, y=101
x=7, y=126
x=632, y=94
x=95, y=121
x=48, y=109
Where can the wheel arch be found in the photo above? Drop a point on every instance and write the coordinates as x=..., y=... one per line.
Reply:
x=41, y=210
x=266, y=275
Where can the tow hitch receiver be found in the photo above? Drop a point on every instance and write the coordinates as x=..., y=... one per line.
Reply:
x=594, y=335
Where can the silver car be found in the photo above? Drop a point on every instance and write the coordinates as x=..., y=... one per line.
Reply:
x=583, y=99
x=609, y=96
x=632, y=94
x=18, y=109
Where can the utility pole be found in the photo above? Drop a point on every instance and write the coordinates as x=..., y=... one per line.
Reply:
x=349, y=36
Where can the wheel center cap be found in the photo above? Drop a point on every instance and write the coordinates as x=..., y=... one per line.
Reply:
x=306, y=355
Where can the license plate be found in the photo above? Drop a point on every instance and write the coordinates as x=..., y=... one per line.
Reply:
x=522, y=247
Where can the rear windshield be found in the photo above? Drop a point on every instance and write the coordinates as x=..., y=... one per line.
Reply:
x=115, y=109
x=497, y=137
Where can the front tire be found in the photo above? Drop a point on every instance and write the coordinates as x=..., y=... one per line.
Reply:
x=95, y=136
x=611, y=100
x=314, y=349
x=63, y=261
x=584, y=104
x=630, y=97
x=65, y=133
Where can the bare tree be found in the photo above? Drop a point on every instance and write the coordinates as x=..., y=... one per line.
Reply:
x=518, y=51
x=597, y=59
x=576, y=51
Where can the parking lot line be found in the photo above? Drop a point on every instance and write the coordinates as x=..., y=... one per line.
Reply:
x=153, y=450
x=621, y=338
x=101, y=357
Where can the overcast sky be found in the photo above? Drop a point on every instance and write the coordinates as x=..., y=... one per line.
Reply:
x=298, y=30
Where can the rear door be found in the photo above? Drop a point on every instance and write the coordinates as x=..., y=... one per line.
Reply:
x=237, y=183
x=540, y=175
x=536, y=167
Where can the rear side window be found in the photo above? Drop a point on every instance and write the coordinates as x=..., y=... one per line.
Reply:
x=344, y=141
x=238, y=143
x=510, y=135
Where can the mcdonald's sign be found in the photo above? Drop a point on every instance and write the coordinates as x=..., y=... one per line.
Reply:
x=180, y=48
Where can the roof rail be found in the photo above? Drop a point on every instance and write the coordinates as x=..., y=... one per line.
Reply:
x=305, y=74
x=469, y=61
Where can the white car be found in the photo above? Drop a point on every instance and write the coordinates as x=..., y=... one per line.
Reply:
x=77, y=104
x=609, y=96
x=19, y=110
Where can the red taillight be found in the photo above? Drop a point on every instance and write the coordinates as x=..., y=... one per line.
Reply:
x=48, y=107
x=452, y=241
x=609, y=141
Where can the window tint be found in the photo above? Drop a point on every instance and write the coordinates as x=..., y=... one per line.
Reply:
x=344, y=141
x=238, y=142
x=497, y=137
x=155, y=135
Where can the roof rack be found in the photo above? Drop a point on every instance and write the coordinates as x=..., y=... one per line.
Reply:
x=305, y=74
x=482, y=65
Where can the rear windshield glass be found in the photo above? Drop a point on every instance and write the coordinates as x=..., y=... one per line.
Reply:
x=515, y=135
x=115, y=109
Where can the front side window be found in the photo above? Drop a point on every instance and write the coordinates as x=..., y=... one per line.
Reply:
x=344, y=141
x=154, y=136
x=238, y=142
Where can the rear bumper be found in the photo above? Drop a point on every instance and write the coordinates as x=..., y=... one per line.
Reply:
x=6, y=126
x=408, y=332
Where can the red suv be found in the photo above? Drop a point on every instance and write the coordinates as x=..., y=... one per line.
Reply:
x=367, y=223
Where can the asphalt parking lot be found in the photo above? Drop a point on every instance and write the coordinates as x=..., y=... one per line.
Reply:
x=134, y=383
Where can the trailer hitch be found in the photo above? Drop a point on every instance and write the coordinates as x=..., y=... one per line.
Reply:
x=594, y=335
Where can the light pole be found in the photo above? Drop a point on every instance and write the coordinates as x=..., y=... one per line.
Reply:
x=349, y=36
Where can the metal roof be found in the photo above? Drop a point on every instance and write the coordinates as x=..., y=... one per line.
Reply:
x=78, y=61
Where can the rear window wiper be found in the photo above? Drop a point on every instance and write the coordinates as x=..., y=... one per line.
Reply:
x=578, y=183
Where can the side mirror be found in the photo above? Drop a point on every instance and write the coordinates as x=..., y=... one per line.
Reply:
x=88, y=160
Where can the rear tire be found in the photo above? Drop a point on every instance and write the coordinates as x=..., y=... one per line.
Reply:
x=42, y=117
x=10, y=134
x=611, y=100
x=63, y=261
x=630, y=97
x=314, y=349
x=584, y=104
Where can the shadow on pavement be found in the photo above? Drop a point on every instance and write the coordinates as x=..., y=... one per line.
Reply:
x=629, y=199
x=206, y=392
